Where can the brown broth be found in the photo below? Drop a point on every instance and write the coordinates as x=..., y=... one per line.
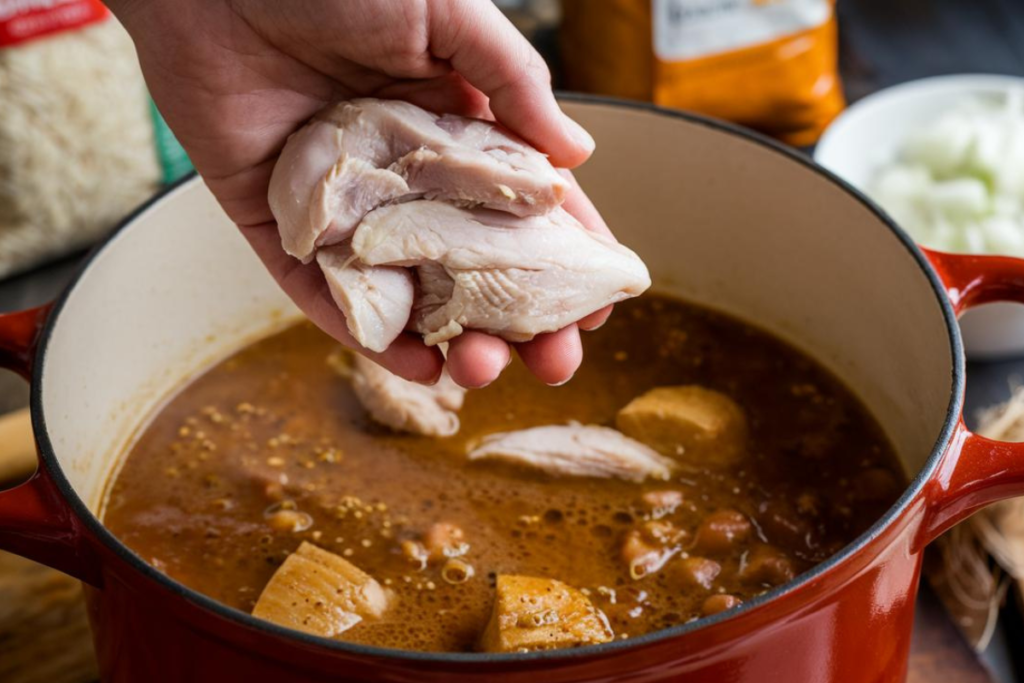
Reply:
x=274, y=423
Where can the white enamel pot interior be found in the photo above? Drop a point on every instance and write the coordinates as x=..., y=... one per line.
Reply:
x=722, y=218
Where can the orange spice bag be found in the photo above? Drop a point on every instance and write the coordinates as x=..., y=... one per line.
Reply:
x=767, y=64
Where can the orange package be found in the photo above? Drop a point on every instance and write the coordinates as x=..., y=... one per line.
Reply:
x=767, y=64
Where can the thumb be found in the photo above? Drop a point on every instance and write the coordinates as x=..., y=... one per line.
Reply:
x=487, y=50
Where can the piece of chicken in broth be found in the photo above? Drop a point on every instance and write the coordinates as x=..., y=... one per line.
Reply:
x=576, y=451
x=317, y=592
x=533, y=614
x=406, y=406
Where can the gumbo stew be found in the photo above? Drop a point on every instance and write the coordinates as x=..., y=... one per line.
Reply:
x=693, y=463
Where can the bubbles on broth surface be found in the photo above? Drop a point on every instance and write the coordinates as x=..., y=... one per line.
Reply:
x=295, y=456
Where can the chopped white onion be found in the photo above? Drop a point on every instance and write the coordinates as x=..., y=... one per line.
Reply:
x=958, y=183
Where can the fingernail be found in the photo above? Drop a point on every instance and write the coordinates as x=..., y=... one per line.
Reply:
x=578, y=134
x=564, y=381
x=508, y=362
x=432, y=381
x=595, y=327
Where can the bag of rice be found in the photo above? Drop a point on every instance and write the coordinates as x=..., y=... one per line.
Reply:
x=767, y=64
x=81, y=143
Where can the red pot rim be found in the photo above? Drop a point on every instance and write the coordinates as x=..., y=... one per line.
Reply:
x=49, y=461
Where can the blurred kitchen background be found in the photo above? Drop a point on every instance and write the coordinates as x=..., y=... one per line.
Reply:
x=81, y=146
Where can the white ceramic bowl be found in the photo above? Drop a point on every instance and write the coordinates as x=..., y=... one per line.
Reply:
x=868, y=134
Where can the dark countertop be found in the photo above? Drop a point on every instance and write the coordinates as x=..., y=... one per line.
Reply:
x=885, y=42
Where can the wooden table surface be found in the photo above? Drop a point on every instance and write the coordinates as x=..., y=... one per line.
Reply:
x=883, y=42
x=937, y=652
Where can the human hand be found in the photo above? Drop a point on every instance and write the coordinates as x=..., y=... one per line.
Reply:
x=234, y=78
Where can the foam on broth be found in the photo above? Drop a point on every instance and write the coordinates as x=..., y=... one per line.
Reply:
x=274, y=426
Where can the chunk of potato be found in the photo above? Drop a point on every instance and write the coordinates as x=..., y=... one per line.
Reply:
x=317, y=592
x=541, y=614
x=689, y=423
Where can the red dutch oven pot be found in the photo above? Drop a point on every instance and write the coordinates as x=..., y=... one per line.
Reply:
x=722, y=217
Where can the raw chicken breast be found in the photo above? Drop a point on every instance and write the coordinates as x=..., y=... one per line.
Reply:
x=454, y=224
x=358, y=155
x=487, y=270
x=576, y=450
x=296, y=194
x=376, y=300
x=406, y=406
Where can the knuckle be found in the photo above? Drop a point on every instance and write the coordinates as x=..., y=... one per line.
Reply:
x=530, y=67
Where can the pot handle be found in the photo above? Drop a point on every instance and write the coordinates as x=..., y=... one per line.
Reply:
x=35, y=520
x=977, y=471
x=19, y=334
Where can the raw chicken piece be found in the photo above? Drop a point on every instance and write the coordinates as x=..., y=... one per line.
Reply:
x=376, y=300
x=541, y=614
x=487, y=270
x=689, y=423
x=576, y=450
x=407, y=406
x=358, y=155
x=317, y=592
x=297, y=184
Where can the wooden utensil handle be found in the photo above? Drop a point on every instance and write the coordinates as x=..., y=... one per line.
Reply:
x=17, y=446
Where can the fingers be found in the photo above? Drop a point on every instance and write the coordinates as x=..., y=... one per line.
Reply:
x=483, y=46
x=448, y=94
x=243, y=195
x=407, y=356
x=579, y=205
x=555, y=357
x=476, y=359
x=595, y=319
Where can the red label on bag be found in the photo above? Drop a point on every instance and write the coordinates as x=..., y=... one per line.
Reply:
x=23, y=20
